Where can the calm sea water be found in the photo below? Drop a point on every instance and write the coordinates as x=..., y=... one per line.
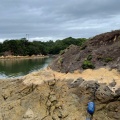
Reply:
x=21, y=67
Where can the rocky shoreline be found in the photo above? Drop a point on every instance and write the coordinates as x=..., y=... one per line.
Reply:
x=50, y=95
x=9, y=57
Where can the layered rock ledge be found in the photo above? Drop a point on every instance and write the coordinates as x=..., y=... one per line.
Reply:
x=50, y=95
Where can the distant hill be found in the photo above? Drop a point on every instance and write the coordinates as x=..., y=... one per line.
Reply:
x=100, y=51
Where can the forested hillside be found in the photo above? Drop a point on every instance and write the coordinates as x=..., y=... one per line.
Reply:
x=25, y=47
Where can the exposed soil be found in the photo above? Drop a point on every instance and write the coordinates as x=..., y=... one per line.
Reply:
x=101, y=75
x=9, y=57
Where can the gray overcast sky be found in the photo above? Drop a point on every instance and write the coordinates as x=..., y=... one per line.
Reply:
x=57, y=19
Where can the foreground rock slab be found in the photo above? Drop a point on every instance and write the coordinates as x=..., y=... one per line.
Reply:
x=57, y=99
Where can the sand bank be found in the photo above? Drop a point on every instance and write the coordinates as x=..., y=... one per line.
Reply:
x=102, y=75
x=21, y=57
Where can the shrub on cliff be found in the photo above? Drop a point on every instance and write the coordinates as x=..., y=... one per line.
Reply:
x=87, y=64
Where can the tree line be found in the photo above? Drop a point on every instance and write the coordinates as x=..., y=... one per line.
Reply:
x=24, y=47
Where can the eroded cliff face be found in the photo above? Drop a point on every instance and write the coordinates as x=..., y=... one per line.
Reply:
x=100, y=51
x=58, y=99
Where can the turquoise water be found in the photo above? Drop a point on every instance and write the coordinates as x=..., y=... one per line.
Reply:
x=20, y=67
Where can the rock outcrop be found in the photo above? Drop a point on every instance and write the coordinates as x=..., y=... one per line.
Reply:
x=58, y=100
x=100, y=51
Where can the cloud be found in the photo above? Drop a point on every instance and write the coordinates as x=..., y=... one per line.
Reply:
x=55, y=19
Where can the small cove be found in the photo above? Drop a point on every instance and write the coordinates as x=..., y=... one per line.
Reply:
x=15, y=68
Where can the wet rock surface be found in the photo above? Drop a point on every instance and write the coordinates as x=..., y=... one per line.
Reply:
x=57, y=100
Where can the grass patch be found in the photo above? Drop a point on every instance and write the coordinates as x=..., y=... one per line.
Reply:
x=62, y=52
x=108, y=59
x=60, y=61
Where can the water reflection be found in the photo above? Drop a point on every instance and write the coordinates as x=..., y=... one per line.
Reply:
x=20, y=67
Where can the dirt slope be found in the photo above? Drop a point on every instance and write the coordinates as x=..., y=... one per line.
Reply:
x=100, y=51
